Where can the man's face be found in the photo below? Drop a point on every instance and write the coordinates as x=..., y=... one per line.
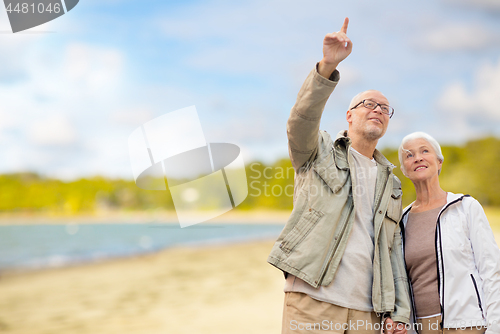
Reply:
x=369, y=124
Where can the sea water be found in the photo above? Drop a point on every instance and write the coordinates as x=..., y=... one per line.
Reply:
x=43, y=246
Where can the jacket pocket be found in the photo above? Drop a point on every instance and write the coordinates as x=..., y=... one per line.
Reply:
x=300, y=230
x=477, y=294
x=394, y=209
x=333, y=176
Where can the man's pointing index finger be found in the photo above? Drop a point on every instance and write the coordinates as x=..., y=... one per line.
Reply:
x=344, y=26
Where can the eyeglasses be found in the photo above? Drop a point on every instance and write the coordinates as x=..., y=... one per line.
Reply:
x=384, y=108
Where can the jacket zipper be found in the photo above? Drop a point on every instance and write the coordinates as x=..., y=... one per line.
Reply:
x=440, y=256
x=377, y=235
x=402, y=226
x=440, y=270
x=478, y=297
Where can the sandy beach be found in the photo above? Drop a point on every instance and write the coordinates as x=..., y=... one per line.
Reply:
x=219, y=289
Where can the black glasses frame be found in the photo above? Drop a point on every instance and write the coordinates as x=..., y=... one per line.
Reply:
x=390, y=113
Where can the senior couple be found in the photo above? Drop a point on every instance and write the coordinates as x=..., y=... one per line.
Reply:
x=354, y=261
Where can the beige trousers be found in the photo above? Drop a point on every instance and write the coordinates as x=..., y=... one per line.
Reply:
x=305, y=315
x=431, y=326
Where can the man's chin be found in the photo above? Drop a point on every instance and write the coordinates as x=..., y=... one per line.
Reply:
x=374, y=134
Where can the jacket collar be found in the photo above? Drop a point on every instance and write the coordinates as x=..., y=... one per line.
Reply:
x=450, y=197
x=453, y=197
x=343, y=141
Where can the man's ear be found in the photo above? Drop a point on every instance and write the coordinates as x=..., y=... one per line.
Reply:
x=348, y=116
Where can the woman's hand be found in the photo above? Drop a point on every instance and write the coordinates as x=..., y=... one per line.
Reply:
x=391, y=327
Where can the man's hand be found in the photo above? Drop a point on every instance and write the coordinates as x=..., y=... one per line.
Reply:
x=391, y=327
x=336, y=47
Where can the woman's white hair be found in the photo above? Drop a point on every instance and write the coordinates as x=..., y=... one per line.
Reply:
x=419, y=135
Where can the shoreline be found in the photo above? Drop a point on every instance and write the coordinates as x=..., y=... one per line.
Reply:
x=257, y=216
x=201, y=246
x=206, y=245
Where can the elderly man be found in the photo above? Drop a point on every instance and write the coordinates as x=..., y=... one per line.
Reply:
x=341, y=247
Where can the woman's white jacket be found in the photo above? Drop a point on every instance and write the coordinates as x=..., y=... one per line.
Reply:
x=468, y=265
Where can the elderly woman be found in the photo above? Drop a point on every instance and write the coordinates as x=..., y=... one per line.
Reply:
x=452, y=259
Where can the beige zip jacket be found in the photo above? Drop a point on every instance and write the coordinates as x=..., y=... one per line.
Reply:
x=313, y=241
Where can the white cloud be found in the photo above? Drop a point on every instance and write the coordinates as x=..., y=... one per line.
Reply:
x=455, y=98
x=350, y=75
x=72, y=114
x=249, y=37
x=13, y=53
x=457, y=37
x=6, y=120
x=56, y=130
x=480, y=102
x=66, y=98
x=483, y=4
x=92, y=68
x=132, y=116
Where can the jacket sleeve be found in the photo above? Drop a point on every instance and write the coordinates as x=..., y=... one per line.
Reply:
x=303, y=124
x=487, y=259
x=402, y=303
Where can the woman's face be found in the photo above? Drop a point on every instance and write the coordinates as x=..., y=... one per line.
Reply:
x=420, y=160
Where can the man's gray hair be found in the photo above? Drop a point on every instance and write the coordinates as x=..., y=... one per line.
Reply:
x=419, y=135
x=356, y=99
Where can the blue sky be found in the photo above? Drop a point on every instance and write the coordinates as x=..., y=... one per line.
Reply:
x=72, y=90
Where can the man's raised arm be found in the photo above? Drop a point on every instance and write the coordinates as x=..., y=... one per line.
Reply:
x=303, y=124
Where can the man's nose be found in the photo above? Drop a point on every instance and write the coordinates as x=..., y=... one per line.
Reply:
x=380, y=109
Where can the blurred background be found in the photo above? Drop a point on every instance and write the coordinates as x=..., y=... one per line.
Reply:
x=83, y=250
